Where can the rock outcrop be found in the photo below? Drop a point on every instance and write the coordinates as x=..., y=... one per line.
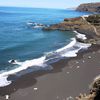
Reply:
x=88, y=25
x=89, y=7
x=94, y=91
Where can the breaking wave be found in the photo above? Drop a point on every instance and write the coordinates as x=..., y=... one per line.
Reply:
x=36, y=25
x=69, y=50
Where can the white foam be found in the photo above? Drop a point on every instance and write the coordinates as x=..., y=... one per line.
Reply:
x=69, y=50
x=23, y=66
x=83, y=45
x=72, y=53
x=72, y=48
x=35, y=25
x=38, y=26
x=28, y=63
x=72, y=43
x=15, y=62
x=29, y=23
x=4, y=81
x=80, y=36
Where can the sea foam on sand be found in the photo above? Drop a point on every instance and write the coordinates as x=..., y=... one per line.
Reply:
x=80, y=36
x=69, y=50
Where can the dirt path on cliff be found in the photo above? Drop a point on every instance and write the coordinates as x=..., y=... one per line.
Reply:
x=95, y=30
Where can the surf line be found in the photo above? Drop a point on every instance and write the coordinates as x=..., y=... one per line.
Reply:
x=70, y=50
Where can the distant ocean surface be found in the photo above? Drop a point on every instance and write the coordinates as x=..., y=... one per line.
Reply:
x=18, y=40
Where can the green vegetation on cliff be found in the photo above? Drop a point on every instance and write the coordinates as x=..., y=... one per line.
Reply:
x=94, y=19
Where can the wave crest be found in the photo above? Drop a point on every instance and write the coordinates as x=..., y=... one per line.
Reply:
x=69, y=50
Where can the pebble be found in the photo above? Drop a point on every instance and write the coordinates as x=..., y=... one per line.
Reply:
x=35, y=89
x=70, y=98
x=57, y=97
x=83, y=61
x=77, y=62
x=7, y=97
x=78, y=67
x=89, y=57
x=67, y=72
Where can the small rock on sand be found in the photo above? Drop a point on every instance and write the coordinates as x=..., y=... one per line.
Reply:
x=70, y=98
x=67, y=72
x=83, y=61
x=7, y=97
x=35, y=89
x=57, y=97
x=78, y=67
x=89, y=57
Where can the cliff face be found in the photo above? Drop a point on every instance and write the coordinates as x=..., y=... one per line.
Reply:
x=89, y=7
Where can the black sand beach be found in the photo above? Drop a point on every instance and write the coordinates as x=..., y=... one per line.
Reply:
x=69, y=77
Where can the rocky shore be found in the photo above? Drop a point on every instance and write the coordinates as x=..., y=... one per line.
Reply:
x=69, y=77
x=94, y=91
x=88, y=25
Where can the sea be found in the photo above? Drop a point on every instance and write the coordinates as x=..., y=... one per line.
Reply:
x=23, y=40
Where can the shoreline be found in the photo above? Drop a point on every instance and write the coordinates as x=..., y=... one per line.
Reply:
x=68, y=51
x=86, y=25
x=30, y=79
x=68, y=78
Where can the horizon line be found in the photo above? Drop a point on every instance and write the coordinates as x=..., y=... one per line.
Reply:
x=38, y=7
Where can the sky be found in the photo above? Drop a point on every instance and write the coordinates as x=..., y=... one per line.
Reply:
x=45, y=3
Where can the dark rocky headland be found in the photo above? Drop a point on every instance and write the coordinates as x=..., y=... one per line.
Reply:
x=89, y=7
x=90, y=26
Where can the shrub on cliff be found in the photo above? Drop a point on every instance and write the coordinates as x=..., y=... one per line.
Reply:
x=94, y=19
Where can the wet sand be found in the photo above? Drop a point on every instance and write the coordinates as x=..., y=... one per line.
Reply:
x=69, y=77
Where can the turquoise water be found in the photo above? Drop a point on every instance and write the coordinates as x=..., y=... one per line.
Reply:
x=20, y=41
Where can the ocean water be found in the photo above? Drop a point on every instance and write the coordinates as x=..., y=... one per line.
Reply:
x=33, y=46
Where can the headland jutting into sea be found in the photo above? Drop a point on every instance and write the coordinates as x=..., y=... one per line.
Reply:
x=88, y=25
x=55, y=84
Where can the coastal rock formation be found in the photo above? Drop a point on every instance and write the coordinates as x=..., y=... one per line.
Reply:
x=88, y=25
x=94, y=91
x=95, y=22
x=86, y=97
x=89, y=7
x=72, y=24
x=95, y=88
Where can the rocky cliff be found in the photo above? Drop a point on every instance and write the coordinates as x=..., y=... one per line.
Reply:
x=89, y=7
x=88, y=25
